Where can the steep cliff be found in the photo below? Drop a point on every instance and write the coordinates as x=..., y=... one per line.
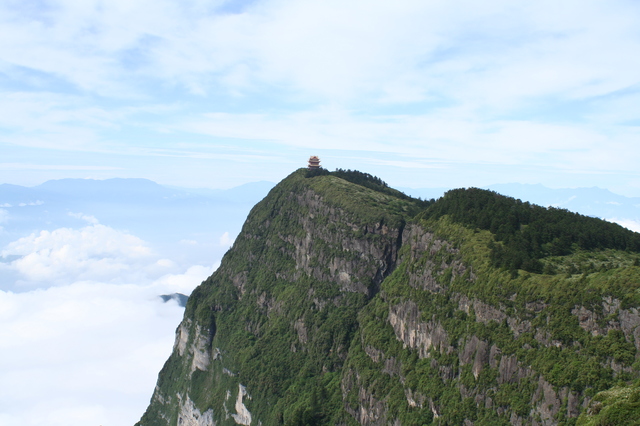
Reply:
x=343, y=301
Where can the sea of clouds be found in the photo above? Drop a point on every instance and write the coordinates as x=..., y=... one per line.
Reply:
x=84, y=332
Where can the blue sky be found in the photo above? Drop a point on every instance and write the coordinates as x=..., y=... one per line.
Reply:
x=421, y=93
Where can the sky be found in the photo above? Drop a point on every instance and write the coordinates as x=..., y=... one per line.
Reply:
x=214, y=94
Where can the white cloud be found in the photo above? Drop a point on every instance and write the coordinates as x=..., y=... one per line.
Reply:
x=166, y=263
x=631, y=224
x=449, y=136
x=32, y=203
x=95, y=252
x=186, y=281
x=495, y=54
x=87, y=218
x=93, y=349
x=401, y=163
x=533, y=84
x=226, y=240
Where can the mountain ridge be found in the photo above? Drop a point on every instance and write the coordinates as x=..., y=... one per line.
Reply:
x=338, y=304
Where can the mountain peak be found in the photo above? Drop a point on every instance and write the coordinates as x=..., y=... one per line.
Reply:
x=343, y=301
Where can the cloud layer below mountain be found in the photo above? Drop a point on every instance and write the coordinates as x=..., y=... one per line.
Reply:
x=84, y=333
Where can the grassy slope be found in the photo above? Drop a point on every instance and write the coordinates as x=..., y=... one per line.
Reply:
x=617, y=406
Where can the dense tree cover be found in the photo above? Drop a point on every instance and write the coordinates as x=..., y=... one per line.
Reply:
x=360, y=178
x=528, y=232
x=320, y=171
x=353, y=176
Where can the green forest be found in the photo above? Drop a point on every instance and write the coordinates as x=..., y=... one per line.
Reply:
x=525, y=233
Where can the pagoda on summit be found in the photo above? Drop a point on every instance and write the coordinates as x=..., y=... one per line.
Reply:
x=314, y=162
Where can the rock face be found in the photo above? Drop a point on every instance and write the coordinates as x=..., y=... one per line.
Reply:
x=338, y=306
x=415, y=334
x=611, y=318
x=242, y=416
x=190, y=416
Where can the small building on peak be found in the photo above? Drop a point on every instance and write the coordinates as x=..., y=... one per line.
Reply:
x=314, y=162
